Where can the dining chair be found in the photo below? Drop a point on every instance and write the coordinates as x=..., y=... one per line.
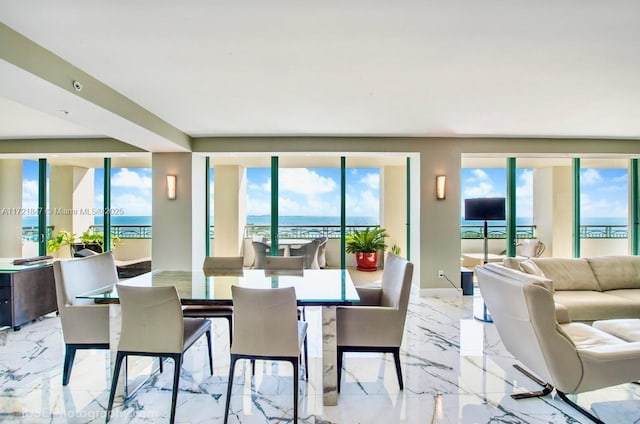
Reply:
x=278, y=337
x=376, y=324
x=85, y=325
x=309, y=252
x=292, y=265
x=217, y=265
x=288, y=265
x=153, y=325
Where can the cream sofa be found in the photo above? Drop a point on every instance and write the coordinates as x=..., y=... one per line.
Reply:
x=596, y=288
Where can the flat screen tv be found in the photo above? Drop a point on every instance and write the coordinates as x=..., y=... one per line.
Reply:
x=484, y=208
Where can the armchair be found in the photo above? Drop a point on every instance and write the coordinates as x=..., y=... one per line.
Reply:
x=85, y=325
x=377, y=323
x=570, y=357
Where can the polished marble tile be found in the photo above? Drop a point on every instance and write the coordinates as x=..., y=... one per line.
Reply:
x=455, y=368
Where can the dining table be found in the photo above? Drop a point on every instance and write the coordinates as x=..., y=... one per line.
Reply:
x=327, y=288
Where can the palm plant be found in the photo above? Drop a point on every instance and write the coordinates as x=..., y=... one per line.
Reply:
x=368, y=240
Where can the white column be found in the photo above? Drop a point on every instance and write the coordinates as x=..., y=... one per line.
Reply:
x=230, y=200
x=394, y=205
x=552, y=194
x=71, y=202
x=10, y=208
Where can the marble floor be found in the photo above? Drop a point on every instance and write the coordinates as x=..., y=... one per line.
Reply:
x=455, y=369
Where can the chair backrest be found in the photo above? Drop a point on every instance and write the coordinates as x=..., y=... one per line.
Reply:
x=215, y=264
x=523, y=311
x=284, y=264
x=151, y=319
x=81, y=275
x=260, y=250
x=265, y=321
x=322, y=251
x=309, y=252
x=396, y=282
x=531, y=248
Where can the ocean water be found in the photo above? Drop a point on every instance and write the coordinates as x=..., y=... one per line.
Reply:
x=28, y=221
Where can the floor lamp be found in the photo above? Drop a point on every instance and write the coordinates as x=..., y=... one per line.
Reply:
x=484, y=209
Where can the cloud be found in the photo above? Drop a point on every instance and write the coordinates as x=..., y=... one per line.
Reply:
x=479, y=184
x=478, y=175
x=363, y=203
x=131, y=179
x=371, y=180
x=483, y=189
x=304, y=181
x=30, y=194
x=590, y=176
x=133, y=204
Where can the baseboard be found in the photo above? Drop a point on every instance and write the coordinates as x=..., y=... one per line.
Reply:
x=442, y=292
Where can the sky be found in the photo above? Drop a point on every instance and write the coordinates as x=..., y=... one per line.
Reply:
x=316, y=191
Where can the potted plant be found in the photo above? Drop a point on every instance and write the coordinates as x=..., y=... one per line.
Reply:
x=88, y=240
x=366, y=244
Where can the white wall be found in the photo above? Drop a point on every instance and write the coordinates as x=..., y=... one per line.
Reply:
x=10, y=208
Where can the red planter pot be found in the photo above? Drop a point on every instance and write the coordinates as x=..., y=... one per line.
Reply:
x=367, y=262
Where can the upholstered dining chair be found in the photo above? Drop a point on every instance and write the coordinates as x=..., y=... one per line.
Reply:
x=217, y=265
x=153, y=325
x=85, y=325
x=284, y=265
x=376, y=324
x=309, y=252
x=279, y=335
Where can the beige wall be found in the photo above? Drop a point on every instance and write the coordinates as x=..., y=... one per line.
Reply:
x=71, y=199
x=178, y=225
x=393, y=207
x=10, y=208
x=230, y=209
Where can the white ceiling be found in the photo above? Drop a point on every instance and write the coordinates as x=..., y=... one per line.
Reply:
x=568, y=68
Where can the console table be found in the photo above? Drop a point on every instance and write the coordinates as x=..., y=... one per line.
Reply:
x=26, y=292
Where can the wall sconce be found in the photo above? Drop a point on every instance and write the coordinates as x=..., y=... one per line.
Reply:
x=171, y=187
x=441, y=187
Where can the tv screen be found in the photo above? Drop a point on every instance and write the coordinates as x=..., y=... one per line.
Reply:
x=485, y=208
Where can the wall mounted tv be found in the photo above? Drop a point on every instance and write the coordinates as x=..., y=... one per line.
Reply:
x=484, y=209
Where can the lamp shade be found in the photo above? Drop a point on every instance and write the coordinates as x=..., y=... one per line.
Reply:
x=171, y=187
x=441, y=187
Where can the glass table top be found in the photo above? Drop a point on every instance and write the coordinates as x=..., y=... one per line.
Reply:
x=7, y=266
x=313, y=287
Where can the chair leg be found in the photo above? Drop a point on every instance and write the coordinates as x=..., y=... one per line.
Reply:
x=114, y=383
x=69, y=356
x=295, y=364
x=547, y=388
x=579, y=408
x=396, y=358
x=232, y=368
x=340, y=352
x=306, y=359
x=177, y=360
x=230, y=322
x=160, y=365
x=208, y=333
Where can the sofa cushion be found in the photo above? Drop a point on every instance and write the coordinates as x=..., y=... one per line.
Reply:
x=616, y=272
x=530, y=267
x=568, y=274
x=584, y=305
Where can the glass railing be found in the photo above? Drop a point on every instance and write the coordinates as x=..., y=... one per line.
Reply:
x=302, y=231
x=31, y=233
x=604, y=231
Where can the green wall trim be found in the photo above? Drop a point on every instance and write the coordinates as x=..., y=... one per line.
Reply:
x=274, y=206
x=42, y=207
x=408, y=247
x=207, y=206
x=634, y=203
x=343, y=211
x=510, y=238
x=576, y=206
x=107, y=204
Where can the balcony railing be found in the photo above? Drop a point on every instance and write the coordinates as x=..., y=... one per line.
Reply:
x=333, y=231
x=302, y=231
